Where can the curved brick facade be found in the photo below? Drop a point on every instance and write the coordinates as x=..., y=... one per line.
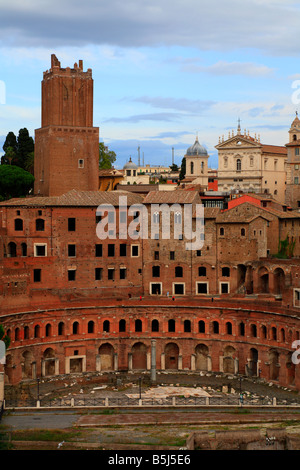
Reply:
x=227, y=336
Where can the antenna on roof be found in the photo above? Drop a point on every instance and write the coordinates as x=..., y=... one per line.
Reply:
x=139, y=159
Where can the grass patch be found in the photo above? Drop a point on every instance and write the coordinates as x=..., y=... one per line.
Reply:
x=44, y=435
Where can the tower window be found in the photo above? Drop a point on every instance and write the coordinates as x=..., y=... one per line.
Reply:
x=80, y=163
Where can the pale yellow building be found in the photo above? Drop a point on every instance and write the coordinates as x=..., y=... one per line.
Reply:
x=247, y=165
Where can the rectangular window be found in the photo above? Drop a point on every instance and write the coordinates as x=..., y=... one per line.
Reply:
x=122, y=273
x=296, y=297
x=80, y=163
x=172, y=255
x=98, y=250
x=71, y=274
x=71, y=250
x=37, y=275
x=296, y=180
x=71, y=224
x=40, y=249
x=155, y=288
x=178, y=289
x=134, y=250
x=111, y=249
x=123, y=249
x=201, y=287
x=224, y=287
x=111, y=274
x=98, y=274
x=156, y=255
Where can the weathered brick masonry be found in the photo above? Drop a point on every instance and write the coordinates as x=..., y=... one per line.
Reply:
x=72, y=302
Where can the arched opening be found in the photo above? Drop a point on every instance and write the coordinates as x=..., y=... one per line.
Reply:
x=48, y=330
x=274, y=364
x=187, y=326
x=279, y=281
x=106, y=326
x=91, y=326
x=106, y=353
x=228, y=360
x=138, y=325
x=139, y=356
x=201, y=352
x=27, y=360
x=171, y=356
x=192, y=168
x=75, y=328
x=201, y=326
x=11, y=250
x=61, y=328
x=37, y=331
x=24, y=249
x=171, y=326
x=154, y=326
x=241, y=278
x=263, y=281
x=122, y=325
x=252, y=370
x=49, y=358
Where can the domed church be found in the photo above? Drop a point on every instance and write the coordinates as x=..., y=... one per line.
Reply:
x=197, y=165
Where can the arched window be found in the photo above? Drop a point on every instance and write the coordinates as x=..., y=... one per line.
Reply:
x=122, y=325
x=201, y=325
x=253, y=330
x=243, y=232
x=12, y=250
x=187, y=326
x=91, y=326
x=192, y=168
x=229, y=328
x=48, y=329
x=17, y=334
x=106, y=326
x=75, y=328
x=26, y=332
x=238, y=165
x=171, y=326
x=222, y=231
x=155, y=325
x=37, y=331
x=61, y=328
x=24, y=249
x=138, y=325
x=215, y=325
x=242, y=329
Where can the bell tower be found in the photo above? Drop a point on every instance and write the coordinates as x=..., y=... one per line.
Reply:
x=293, y=165
x=67, y=144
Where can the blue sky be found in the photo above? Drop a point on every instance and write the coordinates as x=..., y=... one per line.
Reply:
x=164, y=71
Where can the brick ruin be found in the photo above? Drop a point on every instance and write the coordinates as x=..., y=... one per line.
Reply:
x=72, y=302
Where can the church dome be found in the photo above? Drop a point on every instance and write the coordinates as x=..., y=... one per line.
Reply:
x=130, y=165
x=196, y=149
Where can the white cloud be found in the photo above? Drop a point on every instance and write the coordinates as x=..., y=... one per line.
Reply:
x=270, y=26
x=230, y=68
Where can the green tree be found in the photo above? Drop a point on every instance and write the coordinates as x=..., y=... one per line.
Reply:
x=106, y=157
x=14, y=181
x=4, y=337
x=25, y=146
x=174, y=167
x=10, y=143
x=182, y=169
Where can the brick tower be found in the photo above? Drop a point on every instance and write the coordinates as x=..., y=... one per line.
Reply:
x=67, y=144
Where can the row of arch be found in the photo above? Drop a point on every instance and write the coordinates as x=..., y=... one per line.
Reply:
x=170, y=359
x=216, y=327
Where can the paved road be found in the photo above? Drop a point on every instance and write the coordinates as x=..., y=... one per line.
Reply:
x=57, y=419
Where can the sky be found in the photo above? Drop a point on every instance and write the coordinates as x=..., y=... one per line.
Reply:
x=165, y=71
